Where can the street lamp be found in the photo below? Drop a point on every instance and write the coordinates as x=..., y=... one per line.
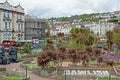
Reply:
x=26, y=72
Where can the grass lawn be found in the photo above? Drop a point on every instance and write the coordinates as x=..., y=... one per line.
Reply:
x=73, y=44
x=13, y=78
x=117, y=65
x=109, y=79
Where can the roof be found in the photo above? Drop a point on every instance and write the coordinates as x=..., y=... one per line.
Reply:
x=33, y=18
x=5, y=3
x=18, y=6
x=11, y=7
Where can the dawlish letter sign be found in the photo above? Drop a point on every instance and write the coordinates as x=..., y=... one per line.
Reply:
x=87, y=72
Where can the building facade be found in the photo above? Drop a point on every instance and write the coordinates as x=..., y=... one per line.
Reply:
x=99, y=29
x=34, y=28
x=11, y=22
x=58, y=28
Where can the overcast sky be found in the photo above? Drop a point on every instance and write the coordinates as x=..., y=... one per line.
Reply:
x=58, y=8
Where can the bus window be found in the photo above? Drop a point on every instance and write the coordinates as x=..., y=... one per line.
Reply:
x=6, y=43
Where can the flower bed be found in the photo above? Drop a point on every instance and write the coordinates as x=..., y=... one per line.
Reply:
x=111, y=56
x=1, y=76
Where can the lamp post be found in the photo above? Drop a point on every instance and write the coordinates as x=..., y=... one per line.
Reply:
x=26, y=72
x=65, y=75
x=110, y=76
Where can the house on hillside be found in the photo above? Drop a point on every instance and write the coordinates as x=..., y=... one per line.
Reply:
x=61, y=28
x=99, y=29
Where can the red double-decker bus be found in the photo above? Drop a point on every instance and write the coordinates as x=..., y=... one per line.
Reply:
x=7, y=44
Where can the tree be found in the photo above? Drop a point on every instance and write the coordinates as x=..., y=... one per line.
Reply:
x=47, y=34
x=60, y=54
x=82, y=35
x=73, y=55
x=47, y=27
x=60, y=38
x=45, y=58
x=91, y=39
x=117, y=41
x=97, y=53
x=27, y=47
x=116, y=37
x=49, y=45
x=109, y=35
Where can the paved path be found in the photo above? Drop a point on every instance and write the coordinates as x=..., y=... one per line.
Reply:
x=16, y=66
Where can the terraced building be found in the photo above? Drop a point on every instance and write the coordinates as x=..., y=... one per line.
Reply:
x=11, y=22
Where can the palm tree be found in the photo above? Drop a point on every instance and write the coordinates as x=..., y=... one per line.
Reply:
x=45, y=58
x=84, y=57
x=72, y=53
x=60, y=54
x=97, y=53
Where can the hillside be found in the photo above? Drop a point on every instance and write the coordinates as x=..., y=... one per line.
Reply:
x=93, y=17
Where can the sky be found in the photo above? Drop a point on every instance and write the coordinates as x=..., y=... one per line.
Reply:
x=60, y=8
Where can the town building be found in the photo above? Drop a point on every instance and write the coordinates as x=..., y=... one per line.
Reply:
x=60, y=27
x=34, y=28
x=100, y=28
x=11, y=22
x=63, y=27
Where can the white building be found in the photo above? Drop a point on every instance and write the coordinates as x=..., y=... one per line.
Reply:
x=61, y=29
x=100, y=29
x=11, y=22
x=64, y=27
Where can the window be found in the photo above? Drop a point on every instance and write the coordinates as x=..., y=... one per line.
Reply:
x=5, y=36
x=4, y=14
x=9, y=25
x=8, y=15
x=38, y=24
x=5, y=25
x=21, y=26
x=20, y=16
x=38, y=32
x=17, y=15
x=18, y=26
x=18, y=38
x=6, y=43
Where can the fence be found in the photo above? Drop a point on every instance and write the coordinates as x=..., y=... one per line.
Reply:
x=58, y=74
